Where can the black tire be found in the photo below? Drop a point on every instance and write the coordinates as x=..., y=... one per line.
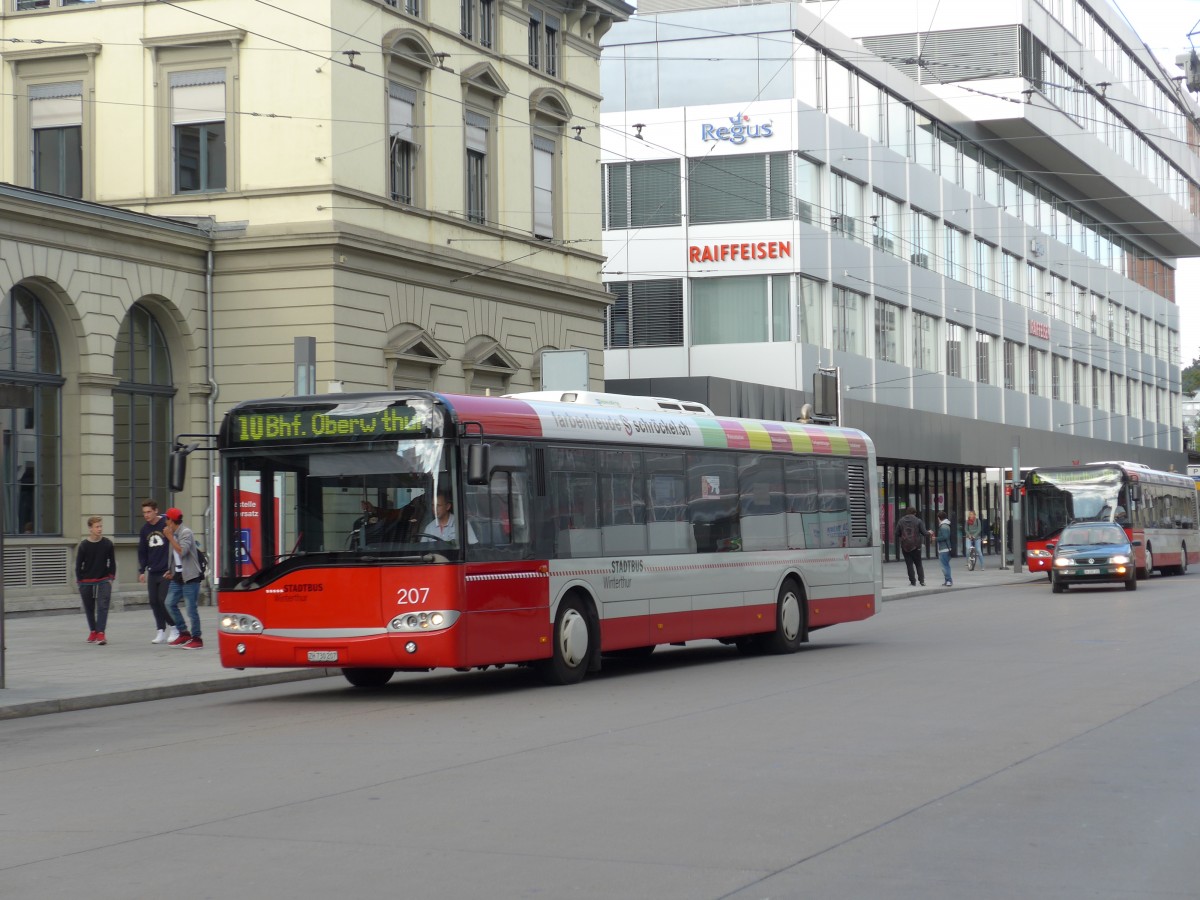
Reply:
x=1056, y=586
x=368, y=678
x=1131, y=583
x=791, y=621
x=574, y=641
x=1183, y=563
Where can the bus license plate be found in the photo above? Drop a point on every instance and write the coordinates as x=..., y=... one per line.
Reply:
x=322, y=655
x=1085, y=572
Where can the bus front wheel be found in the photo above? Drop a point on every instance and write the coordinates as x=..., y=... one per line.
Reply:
x=368, y=678
x=573, y=643
x=1149, y=570
x=790, y=626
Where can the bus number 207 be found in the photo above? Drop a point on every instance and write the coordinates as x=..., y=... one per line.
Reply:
x=412, y=596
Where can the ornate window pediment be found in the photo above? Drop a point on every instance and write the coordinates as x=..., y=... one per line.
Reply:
x=483, y=77
x=413, y=357
x=488, y=367
x=550, y=103
x=411, y=47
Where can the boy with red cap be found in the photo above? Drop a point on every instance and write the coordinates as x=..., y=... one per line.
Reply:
x=185, y=581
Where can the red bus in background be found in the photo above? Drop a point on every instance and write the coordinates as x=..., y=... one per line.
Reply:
x=572, y=533
x=1157, y=508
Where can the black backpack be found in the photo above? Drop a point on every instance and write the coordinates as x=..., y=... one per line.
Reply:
x=910, y=534
x=202, y=560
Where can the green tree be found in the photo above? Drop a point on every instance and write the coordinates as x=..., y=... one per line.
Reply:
x=1191, y=377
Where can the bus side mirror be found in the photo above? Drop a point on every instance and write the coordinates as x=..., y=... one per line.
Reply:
x=477, y=463
x=1135, y=492
x=177, y=476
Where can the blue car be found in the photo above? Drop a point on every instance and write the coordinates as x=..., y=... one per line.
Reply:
x=1093, y=553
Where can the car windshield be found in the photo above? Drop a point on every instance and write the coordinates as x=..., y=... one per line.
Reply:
x=1077, y=537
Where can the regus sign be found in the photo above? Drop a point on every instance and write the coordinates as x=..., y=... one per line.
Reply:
x=738, y=131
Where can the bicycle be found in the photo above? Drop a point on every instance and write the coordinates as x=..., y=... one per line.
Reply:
x=972, y=558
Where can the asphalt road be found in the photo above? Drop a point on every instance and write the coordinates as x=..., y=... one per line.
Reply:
x=994, y=743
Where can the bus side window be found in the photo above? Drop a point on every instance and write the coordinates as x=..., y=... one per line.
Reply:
x=713, y=501
x=498, y=512
x=573, y=501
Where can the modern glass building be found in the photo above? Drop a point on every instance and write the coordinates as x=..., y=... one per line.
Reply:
x=975, y=223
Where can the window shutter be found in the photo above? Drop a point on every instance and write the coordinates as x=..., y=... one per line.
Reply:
x=56, y=105
x=401, y=103
x=477, y=132
x=654, y=192
x=617, y=195
x=728, y=189
x=198, y=96
x=657, y=310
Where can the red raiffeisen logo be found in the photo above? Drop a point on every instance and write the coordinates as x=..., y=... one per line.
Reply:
x=747, y=251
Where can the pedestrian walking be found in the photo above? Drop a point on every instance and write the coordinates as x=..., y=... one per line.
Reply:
x=973, y=529
x=95, y=570
x=944, y=544
x=185, y=581
x=154, y=562
x=910, y=535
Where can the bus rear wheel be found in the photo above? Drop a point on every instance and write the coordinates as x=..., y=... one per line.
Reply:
x=791, y=629
x=573, y=641
x=368, y=678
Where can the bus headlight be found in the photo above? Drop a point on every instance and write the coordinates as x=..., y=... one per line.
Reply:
x=240, y=623
x=427, y=620
x=1040, y=554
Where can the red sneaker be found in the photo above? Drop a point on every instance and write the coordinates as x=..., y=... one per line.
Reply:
x=100, y=638
x=183, y=638
x=194, y=644
x=91, y=637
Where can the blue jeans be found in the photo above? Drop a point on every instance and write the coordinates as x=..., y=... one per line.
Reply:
x=944, y=559
x=191, y=593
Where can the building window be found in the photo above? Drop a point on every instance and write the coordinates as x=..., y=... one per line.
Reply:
x=1008, y=276
x=924, y=341
x=1056, y=374
x=809, y=330
x=544, y=38
x=954, y=349
x=477, y=21
x=985, y=255
x=642, y=194
x=544, y=178
x=887, y=331
x=1078, y=373
x=645, y=314
x=402, y=102
x=1035, y=288
x=888, y=225
x=744, y=309
x=56, y=114
x=412, y=7
x=1010, y=365
x=1035, y=372
x=478, y=129
x=923, y=227
x=848, y=311
x=847, y=206
x=743, y=188
x=1098, y=380
x=983, y=358
x=956, y=254
x=808, y=191
x=142, y=431
x=32, y=446
x=198, y=130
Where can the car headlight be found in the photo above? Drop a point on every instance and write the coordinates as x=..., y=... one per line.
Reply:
x=240, y=623
x=1119, y=560
x=1061, y=561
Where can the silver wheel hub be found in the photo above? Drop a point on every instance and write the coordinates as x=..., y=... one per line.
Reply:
x=573, y=638
x=789, y=615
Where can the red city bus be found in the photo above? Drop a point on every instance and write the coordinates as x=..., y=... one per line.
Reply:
x=1159, y=509
x=407, y=531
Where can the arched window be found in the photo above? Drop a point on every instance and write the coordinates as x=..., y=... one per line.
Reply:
x=31, y=420
x=142, y=431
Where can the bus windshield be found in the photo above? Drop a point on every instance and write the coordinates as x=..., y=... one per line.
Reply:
x=352, y=503
x=1055, y=498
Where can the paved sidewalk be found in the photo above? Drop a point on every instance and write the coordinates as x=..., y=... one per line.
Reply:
x=49, y=666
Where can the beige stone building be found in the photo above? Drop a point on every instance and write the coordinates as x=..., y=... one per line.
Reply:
x=414, y=184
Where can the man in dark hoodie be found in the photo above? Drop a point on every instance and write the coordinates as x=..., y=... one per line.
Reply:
x=153, y=563
x=95, y=569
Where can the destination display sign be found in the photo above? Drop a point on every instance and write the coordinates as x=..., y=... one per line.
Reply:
x=344, y=422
